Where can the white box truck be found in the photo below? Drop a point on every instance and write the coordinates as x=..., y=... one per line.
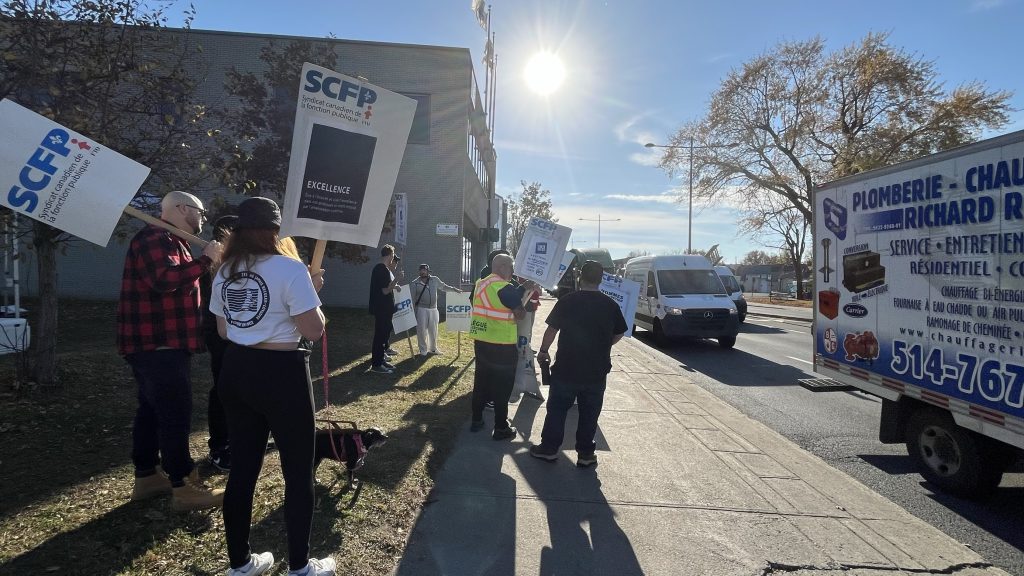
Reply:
x=919, y=279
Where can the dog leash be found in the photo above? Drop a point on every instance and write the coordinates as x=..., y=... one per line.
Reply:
x=325, y=370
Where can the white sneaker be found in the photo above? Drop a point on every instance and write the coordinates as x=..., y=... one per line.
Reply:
x=258, y=564
x=316, y=567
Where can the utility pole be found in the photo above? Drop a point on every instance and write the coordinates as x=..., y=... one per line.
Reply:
x=598, y=220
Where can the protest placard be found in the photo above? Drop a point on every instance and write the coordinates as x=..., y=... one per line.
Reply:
x=457, y=311
x=625, y=292
x=541, y=251
x=404, y=317
x=65, y=179
x=347, y=147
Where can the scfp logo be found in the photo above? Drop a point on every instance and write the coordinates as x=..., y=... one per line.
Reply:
x=403, y=305
x=338, y=89
x=543, y=224
x=38, y=171
x=458, y=309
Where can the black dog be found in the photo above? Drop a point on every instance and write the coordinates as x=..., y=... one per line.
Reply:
x=348, y=447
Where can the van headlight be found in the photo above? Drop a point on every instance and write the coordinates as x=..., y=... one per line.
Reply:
x=673, y=311
x=733, y=312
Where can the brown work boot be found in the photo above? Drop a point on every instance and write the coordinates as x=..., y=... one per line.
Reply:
x=195, y=496
x=156, y=484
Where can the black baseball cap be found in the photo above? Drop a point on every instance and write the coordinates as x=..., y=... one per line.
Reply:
x=258, y=213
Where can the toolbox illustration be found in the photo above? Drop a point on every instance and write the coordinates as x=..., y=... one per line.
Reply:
x=862, y=270
x=828, y=303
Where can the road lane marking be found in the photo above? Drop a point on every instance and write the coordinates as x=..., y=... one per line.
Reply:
x=800, y=360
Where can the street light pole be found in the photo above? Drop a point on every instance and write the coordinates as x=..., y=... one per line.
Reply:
x=598, y=220
x=689, y=211
x=689, y=148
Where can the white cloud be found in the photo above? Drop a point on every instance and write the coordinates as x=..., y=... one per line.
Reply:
x=648, y=158
x=659, y=198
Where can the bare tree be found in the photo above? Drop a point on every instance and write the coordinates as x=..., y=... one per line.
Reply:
x=781, y=226
x=106, y=69
x=533, y=201
x=796, y=117
x=760, y=257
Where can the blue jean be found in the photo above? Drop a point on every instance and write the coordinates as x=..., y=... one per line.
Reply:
x=589, y=394
x=163, y=419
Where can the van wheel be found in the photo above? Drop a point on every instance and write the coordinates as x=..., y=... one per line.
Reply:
x=956, y=460
x=660, y=339
x=742, y=318
x=726, y=341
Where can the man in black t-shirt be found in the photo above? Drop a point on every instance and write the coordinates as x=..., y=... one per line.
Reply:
x=383, y=285
x=587, y=323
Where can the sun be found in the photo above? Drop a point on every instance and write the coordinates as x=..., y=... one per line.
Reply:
x=544, y=73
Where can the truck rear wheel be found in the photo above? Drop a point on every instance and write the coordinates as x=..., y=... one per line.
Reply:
x=955, y=459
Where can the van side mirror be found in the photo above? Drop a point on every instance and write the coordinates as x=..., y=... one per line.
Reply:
x=652, y=291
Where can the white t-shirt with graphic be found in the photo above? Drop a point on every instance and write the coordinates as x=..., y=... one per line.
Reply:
x=258, y=303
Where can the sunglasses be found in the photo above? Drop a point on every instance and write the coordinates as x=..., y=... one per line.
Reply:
x=202, y=213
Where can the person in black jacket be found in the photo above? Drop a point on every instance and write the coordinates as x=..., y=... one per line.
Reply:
x=383, y=285
x=220, y=450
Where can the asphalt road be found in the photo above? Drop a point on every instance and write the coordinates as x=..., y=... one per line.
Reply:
x=759, y=377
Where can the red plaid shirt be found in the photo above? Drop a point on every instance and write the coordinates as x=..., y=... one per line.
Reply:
x=160, y=299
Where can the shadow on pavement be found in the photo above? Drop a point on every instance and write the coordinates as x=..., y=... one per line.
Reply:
x=585, y=538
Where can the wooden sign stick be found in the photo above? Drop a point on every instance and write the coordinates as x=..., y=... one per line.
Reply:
x=132, y=211
x=318, y=255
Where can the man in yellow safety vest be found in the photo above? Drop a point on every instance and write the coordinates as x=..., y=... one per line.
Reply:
x=497, y=304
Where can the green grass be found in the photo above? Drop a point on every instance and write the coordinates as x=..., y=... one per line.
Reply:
x=67, y=473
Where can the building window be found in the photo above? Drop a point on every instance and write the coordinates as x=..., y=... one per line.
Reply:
x=468, y=277
x=420, y=132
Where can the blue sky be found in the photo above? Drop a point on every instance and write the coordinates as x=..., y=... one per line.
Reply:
x=635, y=70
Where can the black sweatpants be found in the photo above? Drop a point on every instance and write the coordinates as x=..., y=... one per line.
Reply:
x=266, y=391
x=494, y=379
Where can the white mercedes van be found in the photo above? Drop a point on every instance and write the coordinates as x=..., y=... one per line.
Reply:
x=732, y=286
x=683, y=296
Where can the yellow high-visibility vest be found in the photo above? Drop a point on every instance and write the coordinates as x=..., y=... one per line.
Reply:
x=491, y=321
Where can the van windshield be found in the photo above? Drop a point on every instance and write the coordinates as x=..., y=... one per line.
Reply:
x=731, y=284
x=676, y=282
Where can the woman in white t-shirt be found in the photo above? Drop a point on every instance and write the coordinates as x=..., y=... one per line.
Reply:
x=265, y=301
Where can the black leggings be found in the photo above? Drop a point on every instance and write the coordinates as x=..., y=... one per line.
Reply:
x=266, y=391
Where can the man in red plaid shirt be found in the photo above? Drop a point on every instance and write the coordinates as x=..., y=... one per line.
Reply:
x=158, y=319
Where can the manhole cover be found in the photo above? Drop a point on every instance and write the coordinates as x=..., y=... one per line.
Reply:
x=825, y=385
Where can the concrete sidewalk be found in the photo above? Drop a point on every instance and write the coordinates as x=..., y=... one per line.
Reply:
x=684, y=485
